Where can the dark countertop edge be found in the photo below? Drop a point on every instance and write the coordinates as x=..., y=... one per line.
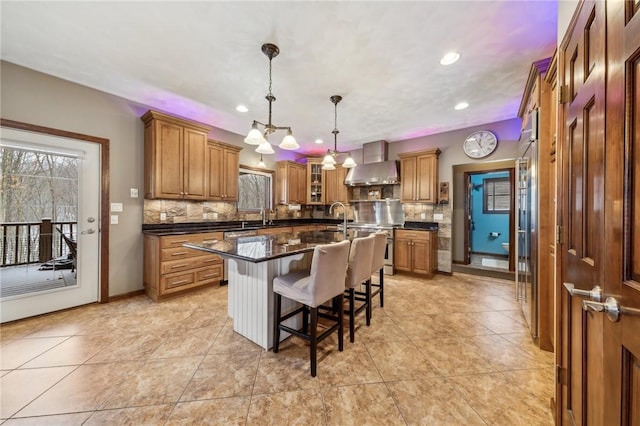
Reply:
x=421, y=226
x=248, y=259
x=195, y=227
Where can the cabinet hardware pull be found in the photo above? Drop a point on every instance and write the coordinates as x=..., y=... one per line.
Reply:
x=180, y=241
x=179, y=266
x=180, y=282
x=211, y=275
x=179, y=253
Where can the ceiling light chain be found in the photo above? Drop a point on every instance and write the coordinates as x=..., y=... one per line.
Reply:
x=255, y=137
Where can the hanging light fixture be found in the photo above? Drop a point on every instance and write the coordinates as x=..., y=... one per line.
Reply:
x=261, y=163
x=329, y=161
x=255, y=136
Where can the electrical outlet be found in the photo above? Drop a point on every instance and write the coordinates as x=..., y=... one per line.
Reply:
x=134, y=192
x=114, y=219
x=423, y=216
x=438, y=216
x=204, y=216
x=163, y=216
x=213, y=215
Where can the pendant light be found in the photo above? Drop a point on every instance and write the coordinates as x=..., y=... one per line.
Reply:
x=255, y=136
x=261, y=163
x=329, y=161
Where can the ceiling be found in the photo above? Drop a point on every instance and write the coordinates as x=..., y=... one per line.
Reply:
x=200, y=60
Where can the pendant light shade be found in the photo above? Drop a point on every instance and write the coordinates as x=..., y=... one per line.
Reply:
x=255, y=135
x=265, y=148
x=328, y=166
x=328, y=159
x=289, y=142
x=261, y=163
x=349, y=162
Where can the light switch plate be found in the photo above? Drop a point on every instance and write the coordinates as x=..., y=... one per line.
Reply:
x=134, y=192
x=116, y=207
x=163, y=216
x=438, y=216
x=114, y=219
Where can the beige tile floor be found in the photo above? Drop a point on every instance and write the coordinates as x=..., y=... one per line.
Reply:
x=449, y=351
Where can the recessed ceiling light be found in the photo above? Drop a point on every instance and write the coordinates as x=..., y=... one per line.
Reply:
x=319, y=141
x=461, y=105
x=242, y=108
x=449, y=58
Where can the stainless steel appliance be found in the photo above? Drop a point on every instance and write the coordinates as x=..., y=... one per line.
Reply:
x=377, y=216
x=526, y=224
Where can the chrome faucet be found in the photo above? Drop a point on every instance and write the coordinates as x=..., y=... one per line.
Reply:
x=264, y=213
x=344, y=214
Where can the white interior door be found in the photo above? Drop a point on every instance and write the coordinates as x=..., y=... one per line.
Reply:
x=87, y=283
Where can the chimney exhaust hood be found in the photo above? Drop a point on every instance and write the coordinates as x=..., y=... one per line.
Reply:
x=375, y=170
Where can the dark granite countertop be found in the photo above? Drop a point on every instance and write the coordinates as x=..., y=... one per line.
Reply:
x=261, y=248
x=421, y=226
x=163, y=229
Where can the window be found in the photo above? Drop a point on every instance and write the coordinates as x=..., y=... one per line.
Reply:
x=497, y=195
x=254, y=189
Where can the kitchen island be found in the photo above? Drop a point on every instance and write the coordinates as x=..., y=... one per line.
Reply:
x=254, y=262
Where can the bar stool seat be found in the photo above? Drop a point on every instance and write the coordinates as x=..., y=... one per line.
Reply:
x=323, y=283
x=377, y=265
x=358, y=274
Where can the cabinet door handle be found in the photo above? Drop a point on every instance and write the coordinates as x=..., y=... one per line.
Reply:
x=180, y=242
x=179, y=266
x=211, y=275
x=180, y=282
x=179, y=253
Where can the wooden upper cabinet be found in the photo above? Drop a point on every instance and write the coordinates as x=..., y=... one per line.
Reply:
x=315, y=181
x=174, y=157
x=224, y=164
x=291, y=182
x=335, y=189
x=419, y=182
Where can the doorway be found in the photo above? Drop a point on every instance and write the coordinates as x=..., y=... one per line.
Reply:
x=489, y=219
x=70, y=170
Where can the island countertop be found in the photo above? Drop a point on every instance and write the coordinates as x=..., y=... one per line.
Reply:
x=261, y=248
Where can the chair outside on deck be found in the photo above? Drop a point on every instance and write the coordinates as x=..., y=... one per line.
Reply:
x=73, y=249
x=377, y=264
x=359, y=273
x=323, y=283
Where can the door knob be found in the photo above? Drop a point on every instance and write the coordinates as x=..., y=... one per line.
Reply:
x=89, y=231
x=594, y=294
x=611, y=307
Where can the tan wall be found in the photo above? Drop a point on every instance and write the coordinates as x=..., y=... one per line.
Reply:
x=44, y=100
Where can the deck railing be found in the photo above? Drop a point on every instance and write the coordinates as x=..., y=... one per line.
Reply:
x=23, y=243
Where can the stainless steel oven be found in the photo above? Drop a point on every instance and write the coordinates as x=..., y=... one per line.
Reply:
x=364, y=229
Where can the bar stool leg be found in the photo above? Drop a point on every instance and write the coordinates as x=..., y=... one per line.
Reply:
x=340, y=299
x=382, y=287
x=352, y=316
x=305, y=319
x=276, y=321
x=314, y=341
x=367, y=286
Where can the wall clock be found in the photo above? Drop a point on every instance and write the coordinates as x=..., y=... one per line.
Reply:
x=480, y=144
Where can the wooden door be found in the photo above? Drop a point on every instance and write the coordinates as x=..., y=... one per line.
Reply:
x=427, y=179
x=599, y=355
x=195, y=164
x=622, y=215
x=231, y=169
x=169, y=151
x=408, y=183
x=215, y=189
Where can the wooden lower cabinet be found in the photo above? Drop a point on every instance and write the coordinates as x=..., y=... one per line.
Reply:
x=416, y=252
x=276, y=230
x=170, y=268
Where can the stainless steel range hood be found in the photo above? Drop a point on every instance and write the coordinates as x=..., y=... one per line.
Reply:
x=375, y=169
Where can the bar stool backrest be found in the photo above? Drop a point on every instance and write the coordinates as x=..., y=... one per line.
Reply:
x=379, y=249
x=328, y=270
x=360, y=256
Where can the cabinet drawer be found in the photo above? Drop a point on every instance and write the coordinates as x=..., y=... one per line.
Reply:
x=412, y=235
x=171, y=266
x=174, y=241
x=271, y=231
x=209, y=274
x=176, y=253
x=177, y=282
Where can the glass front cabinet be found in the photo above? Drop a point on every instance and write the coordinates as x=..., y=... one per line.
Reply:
x=315, y=181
